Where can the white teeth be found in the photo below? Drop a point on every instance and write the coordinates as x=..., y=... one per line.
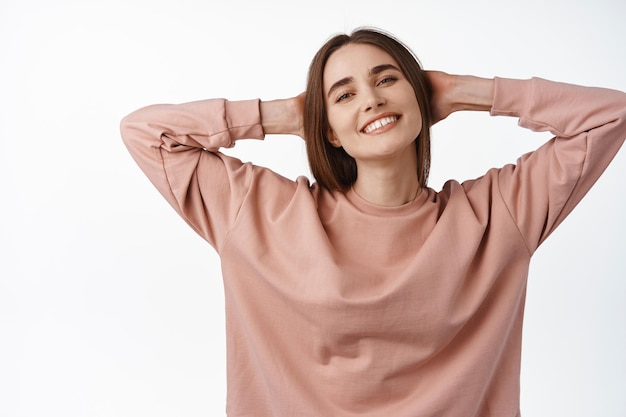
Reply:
x=379, y=123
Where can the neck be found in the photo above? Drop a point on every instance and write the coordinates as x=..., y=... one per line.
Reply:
x=391, y=184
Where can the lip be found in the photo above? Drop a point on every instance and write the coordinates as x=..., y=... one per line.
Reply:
x=378, y=117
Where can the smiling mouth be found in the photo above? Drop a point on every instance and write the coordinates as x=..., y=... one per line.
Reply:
x=377, y=124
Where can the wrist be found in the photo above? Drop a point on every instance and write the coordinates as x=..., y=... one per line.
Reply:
x=278, y=117
x=472, y=93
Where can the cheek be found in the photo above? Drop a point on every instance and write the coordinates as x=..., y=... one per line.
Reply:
x=331, y=129
x=418, y=121
x=334, y=122
x=420, y=124
x=414, y=124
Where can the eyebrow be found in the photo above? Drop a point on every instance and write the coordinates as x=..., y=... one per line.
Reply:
x=373, y=71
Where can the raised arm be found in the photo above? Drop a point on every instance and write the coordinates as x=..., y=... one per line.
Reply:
x=177, y=147
x=542, y=188
x=589, y=125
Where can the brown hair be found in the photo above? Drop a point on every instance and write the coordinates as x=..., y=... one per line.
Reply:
x=332, y=167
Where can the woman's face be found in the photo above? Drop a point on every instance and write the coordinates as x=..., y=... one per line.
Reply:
x=371, y=106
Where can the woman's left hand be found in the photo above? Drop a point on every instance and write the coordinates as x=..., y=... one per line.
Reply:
x=440, y=85
x=450, y=93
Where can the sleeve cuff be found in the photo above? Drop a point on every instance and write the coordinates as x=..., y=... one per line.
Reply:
x=510, y=96
x=243, y=119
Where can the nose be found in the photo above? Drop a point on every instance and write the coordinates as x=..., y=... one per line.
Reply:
x=372, y=99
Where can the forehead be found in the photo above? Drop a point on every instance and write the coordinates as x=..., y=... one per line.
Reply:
x=354, y=60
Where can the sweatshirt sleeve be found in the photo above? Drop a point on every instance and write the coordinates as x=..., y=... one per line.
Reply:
x=176, y=146
x=544, y=186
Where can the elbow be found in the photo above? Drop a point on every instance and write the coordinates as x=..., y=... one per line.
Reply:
x=133, y=127
x=126, y=129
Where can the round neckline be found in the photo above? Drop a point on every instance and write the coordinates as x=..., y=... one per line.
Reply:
x=376, y=209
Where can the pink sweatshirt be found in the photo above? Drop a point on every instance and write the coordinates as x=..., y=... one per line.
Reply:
x=337, y=307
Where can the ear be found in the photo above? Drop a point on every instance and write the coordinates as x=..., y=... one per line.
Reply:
x=332, y=138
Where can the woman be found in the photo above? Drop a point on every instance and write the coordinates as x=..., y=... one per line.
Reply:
x=368, y=293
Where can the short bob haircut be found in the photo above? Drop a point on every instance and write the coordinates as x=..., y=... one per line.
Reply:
x=332, y=167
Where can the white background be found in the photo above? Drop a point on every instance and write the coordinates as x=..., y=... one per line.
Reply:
x=111, y=306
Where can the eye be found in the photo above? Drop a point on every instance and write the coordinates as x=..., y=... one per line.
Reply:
x=343, y=97
x=387, y=80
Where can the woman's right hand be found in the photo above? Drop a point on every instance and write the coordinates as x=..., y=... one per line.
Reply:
x=283, y=116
